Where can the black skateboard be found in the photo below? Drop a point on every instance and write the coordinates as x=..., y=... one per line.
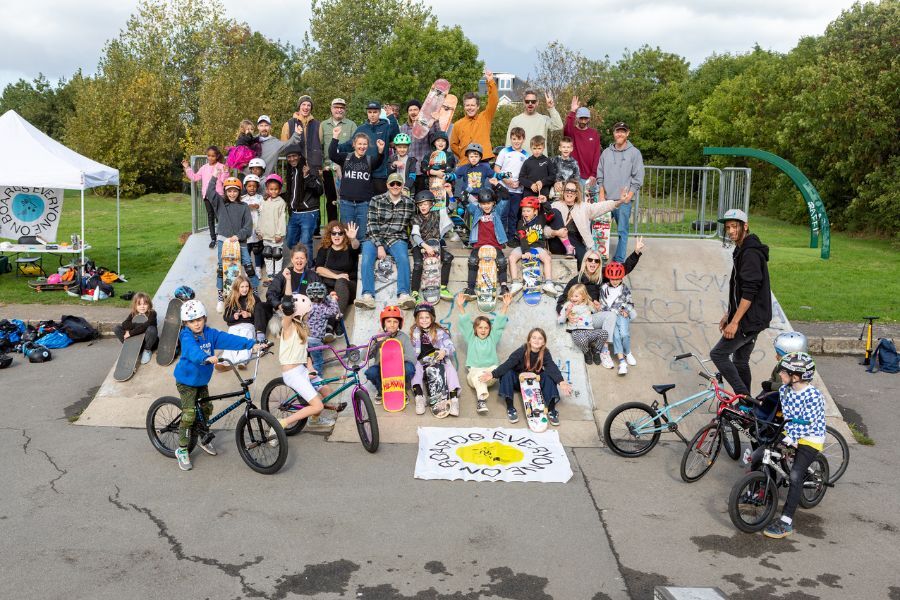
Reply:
x=168, y=338
x=130, y=354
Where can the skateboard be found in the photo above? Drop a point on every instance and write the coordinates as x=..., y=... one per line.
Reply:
x=600, y=228
x=231, y=263
x=40, y=285
x=445, y=116
x=531, y=277
x=130, y=353
x=431, y=274
x=533, y=401
x=384, y=268
x=486, y=282
x=168, y=337
x=435, y=380
x=430, y=108
x=393, y=377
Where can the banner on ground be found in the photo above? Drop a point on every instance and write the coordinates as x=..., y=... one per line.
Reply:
x=480, y=454
x=30, y=211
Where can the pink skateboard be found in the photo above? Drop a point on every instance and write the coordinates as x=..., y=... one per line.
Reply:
x=393, y=379
x=430, y=108
x=447, y=110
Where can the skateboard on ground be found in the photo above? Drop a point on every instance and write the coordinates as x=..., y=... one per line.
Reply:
x=531, y=277
x=600, y=228
x=446, y=113
x=486, y=282
x=430, y=108
x=393, y=377
x=231, y=263
x=168, y=337
x=40, y=285
x=130, y=353
x=435, y=379
x=431, y=274
x=533, y=401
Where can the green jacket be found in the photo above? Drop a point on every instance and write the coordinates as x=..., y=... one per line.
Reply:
x=482, y=353
x=327, y=127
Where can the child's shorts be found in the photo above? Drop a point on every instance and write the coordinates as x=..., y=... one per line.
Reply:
x=298, y=380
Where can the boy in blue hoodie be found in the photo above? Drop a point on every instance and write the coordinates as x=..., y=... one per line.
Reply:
x=195, y=369
x=473, y=175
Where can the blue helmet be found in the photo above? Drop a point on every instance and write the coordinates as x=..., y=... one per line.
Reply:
x=184, y=293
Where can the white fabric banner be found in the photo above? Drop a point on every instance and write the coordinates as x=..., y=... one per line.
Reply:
x=30, y=211
x=480, y=454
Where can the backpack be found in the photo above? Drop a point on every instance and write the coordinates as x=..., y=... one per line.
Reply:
x=78, y=329
x=885, y=357
x=57, y=339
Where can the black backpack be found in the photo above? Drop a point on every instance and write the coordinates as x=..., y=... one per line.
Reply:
x=885, y=357
x=78, y=329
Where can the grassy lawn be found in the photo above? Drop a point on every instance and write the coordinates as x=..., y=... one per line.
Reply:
x=151, y=226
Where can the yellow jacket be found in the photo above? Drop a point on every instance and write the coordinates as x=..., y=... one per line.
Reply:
x=476, y=129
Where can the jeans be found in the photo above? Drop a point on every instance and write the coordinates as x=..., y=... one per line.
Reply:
x=511, y=218
x=622, y=215
x=509, y=385
x=301, y=227
x=622, y=335
x=245, y=261
x=318, y=356
x=373, y=374
x=732, y=359
x=355, y=212
x=331, y=209
x=400, y=251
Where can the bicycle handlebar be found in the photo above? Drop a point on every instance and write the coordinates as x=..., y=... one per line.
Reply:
x=681, y=356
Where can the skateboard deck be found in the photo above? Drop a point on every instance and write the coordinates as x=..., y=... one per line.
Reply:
x=393, y=379
x=231, y=263
x=127, y=364
x=430, y=108
x=531, y=277
x=431, y=275
x=445, y=116
x=600, y=228
x=168, y=337
x=40, y=285
x=486, y=282
x=384, y=268
x=435, y=380
x=533, y=402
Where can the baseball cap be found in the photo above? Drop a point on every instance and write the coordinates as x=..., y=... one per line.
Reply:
x=395, y=177
x=621, y=125
x=340, y=101
x=582, y=112
x=264, y=118
x=373, y=105
x=734, y=214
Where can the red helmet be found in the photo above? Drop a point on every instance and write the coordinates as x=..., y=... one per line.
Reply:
x=530, y=202
x=614, y=270
x=391, y=312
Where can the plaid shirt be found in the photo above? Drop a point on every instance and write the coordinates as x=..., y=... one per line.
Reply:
x=389, y=222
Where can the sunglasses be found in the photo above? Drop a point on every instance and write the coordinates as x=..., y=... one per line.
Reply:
x=337, y=233
x=394, y=184
x=571, y=190
x=592, y=260
x=531, y=102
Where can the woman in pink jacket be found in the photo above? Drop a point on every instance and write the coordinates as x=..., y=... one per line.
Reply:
x=214, y=167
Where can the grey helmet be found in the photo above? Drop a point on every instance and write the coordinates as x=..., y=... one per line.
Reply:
x=474, y=147
x=790, y=341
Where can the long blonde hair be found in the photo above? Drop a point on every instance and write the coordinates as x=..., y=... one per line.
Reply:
x=301, y=328
x=246, y=126
x=583, y=274
x=232, y=303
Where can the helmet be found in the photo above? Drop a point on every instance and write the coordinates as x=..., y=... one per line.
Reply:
x=614, y=270
x=232, y=182
x=275, y=177
x=390, y=312
x=184, y=293
x=192, y=309
x=424, y=307
x=249, y=178
x=5, y=360
x=256, y=162
x=798, y=363
x=302, y=305
x=402, y=138
x=424, y=196
x=36, y=353
x=486, y=195
x=790, y=341
x=530, y=202
x=316, y=291
x=474, y=147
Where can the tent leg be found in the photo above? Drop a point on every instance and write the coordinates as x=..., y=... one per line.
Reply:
x=118, y=235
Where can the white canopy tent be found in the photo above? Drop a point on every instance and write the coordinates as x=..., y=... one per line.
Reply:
x=29, y=157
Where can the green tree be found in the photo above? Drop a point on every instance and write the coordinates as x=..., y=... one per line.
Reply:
x=40, y=103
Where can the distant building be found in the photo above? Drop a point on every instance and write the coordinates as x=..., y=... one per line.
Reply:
x=509, y=86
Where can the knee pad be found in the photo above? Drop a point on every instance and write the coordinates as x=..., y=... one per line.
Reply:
x=277, y=252
x=501, y=261
x=473, y=260
x=248, y=268
x=446, y=257
x=267, y=251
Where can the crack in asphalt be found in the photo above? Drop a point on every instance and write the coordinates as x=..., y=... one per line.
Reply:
x=24, y=435
x=58, y=470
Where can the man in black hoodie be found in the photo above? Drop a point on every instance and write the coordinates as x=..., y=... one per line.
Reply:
x=749, y=303
x=302, y=190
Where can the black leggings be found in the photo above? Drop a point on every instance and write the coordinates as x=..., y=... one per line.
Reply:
x=210, y=219
x=418, y=257
x=802, y=459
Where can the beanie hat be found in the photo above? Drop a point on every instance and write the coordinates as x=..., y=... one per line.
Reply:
x=304, y=98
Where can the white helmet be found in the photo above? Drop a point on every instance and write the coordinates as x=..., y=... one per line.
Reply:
x=790, y=341
x=302, y=305
x=256, y=162
x=251, y=177
x=192, y=309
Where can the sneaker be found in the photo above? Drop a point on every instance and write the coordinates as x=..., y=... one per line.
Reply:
x=516, y=287
x=468, y=294
x=420, y=404
x=184, y=459
x=405, y=301
x=454, y=406
x=747, y=457
x=377, y=398
x=512, y=415
x=588, y=358
x=212, y=244
x=623, y=368
x=365, y=301
x=606, y=359
x=446, y=294
x=629, y=358
x=553, y=417
x=416, y=296
x=778, y=529
x=220, y=307
x=272, y=435
x=328, y=337
x=596, y=355
x=481, y=407
x=550, y=288
x=145, y=357
x=206, y=444
x=570, y=252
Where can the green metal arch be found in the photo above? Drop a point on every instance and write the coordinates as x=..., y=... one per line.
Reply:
x=818, y=219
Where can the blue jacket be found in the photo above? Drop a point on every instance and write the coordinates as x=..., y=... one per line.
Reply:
x=476, y=214
x=384, y=129
x=192, y=368
x=472, y=178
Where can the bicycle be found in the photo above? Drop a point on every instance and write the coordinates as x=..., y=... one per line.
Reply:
x=633, y=429
x=281, y=400
x=260, y=440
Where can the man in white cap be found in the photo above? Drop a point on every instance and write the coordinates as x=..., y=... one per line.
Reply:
x=272, y=146
x=332, y=172
x=749, y=303
x=586, y=145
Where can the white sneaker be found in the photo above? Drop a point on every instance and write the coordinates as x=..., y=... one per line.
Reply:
x=550, y=288
x=623, y=368
x=481, y=407
x=745, y=460
x=184, y=459
x=365, y=301
x=145, y=357
x=220, y=307
x=420, y=404
x=629, y=358
x=454, y=406
x=515, y=287
x=405, y=301
x=606, y=360
x=272, y=435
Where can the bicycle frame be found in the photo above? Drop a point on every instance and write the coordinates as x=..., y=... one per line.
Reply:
x=246, y=399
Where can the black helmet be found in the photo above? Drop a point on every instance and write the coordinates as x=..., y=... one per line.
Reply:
x=424, y=307
x=184, y=293
x=5, y=360
x=316, y=291
x=486, y=195
x=798, y=363
x=424, y=196
x=35, y=352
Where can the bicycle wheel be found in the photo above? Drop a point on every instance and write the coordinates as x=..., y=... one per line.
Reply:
x=256, y=445
x=836, y=452
x=366, y=421
x=281, y=401
x=752, y=502
x=815, y=483
x=632, y=429
x=701, y=453
x=163, y=420
x=731, y=439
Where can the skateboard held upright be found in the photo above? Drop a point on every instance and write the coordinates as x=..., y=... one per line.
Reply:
x=600, y=228
x=533, y=401
x=130, y=353
x=486, y=282
x=393, y=377
x=431, y=274
x=430, y=108
x=231, y=263
x=531, y=277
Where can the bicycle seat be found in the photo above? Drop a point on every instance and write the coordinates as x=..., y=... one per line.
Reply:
x=663, y=388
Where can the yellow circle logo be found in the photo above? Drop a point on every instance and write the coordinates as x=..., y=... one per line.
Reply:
x=489, y=454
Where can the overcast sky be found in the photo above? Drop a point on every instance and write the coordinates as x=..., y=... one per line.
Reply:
x=56, y=37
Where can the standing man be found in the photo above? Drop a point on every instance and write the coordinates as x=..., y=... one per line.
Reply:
x=271, y=146
x=418, y=149
x=309, y=128
x=586, y=145
x=749, y=303
x=473, y=126
x=376, y=129
x=620, y=175
x=332, y=172
x=533, y=122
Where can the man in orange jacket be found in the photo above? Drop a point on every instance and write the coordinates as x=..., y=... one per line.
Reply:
x=475, y=126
